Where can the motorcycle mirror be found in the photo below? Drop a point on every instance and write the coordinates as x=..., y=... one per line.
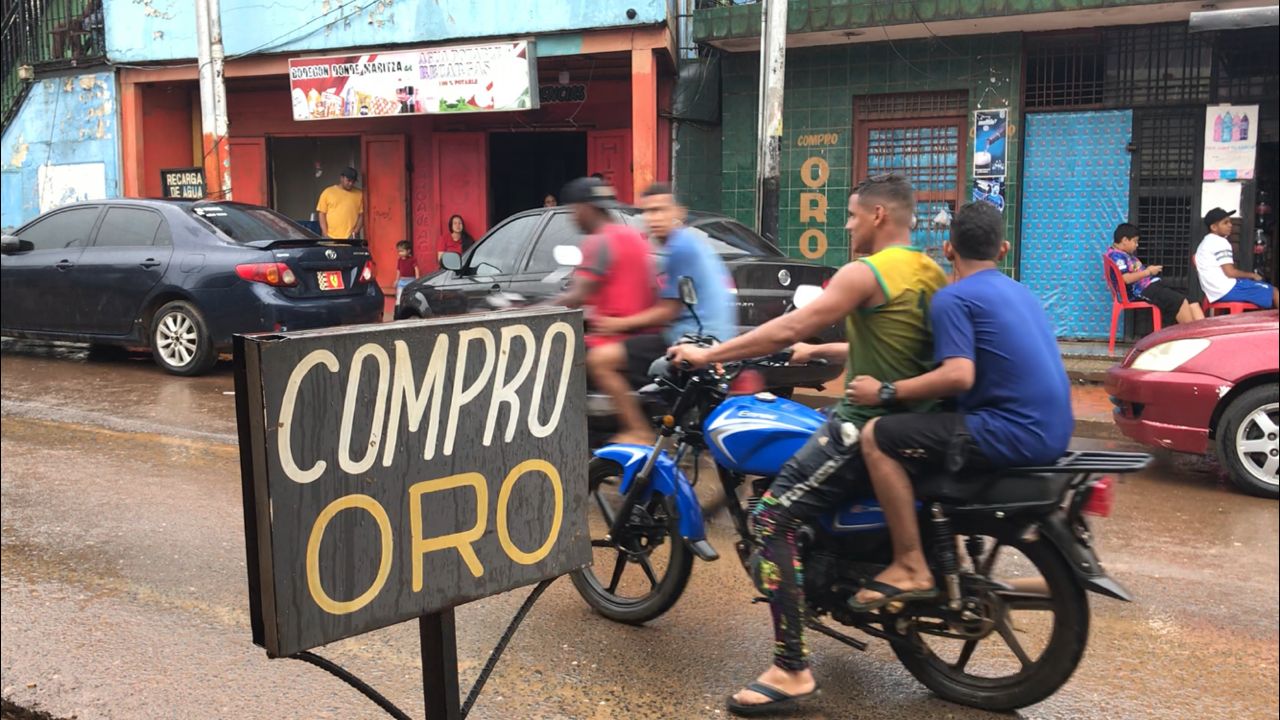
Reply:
x=689, y=296
x=567, y=255
x=688, y=293
x=805, y=294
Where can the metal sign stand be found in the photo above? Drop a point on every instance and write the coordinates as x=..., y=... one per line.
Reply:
x=439, y=665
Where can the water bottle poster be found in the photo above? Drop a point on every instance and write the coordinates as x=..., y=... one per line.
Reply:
x=1230, y=141
x=990, y=131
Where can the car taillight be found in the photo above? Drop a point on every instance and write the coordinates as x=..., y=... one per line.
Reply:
x=274, y=274
x=826, y=282
x=366, y=273
x=1101, y=495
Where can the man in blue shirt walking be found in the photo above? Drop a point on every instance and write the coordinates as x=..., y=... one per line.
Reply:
x=996, y=352
x=688, y=254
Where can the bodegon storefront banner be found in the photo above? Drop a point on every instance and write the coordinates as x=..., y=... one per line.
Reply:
x=495, y=77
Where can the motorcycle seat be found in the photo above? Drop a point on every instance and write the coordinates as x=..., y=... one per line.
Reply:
x=1005, y=489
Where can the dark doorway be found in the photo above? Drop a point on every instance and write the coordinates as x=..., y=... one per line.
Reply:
x=525, y=166
x=302, y=167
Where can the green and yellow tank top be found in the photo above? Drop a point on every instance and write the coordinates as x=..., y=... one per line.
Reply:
x=893, y=341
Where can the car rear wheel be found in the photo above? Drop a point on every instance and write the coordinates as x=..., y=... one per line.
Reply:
x=1249, y=441
x=180, y=341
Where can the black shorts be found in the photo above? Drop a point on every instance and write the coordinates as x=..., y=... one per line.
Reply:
x=929, y=443
x=1166, y=298
x=642, y=350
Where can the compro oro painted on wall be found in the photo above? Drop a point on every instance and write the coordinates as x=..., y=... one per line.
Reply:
x=396, y=470
x=815, y=171
x=465, y=78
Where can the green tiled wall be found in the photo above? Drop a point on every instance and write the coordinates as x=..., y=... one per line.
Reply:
x=697, y=175
x=736, y=21
x=821, y=84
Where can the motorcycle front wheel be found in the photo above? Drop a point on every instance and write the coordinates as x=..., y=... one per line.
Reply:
x=1032, y=647
x=640, y=575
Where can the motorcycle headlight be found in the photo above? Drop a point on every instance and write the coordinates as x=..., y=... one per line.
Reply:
x=1171, y=355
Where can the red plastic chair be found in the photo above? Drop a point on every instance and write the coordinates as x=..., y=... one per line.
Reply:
x=1120, y=300
x=1231, y=308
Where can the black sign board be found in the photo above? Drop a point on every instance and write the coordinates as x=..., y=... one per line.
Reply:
x=394, y=471
x=183, y=183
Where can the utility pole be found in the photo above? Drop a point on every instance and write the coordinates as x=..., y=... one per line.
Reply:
x=213, y=98
x=773, y=65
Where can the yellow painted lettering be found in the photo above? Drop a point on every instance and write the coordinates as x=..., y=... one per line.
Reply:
x=813, y=206
x=460, y=540
x=813, y=244
x=504, y=497
x=321, y=598
x=811, y=179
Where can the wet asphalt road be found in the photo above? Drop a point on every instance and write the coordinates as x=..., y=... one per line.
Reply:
x=123, y=582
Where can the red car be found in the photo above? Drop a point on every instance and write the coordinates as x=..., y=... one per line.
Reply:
x=1213, y=380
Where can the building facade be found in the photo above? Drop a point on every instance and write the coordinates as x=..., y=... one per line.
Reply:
x=1072, y=116
x=598, y=76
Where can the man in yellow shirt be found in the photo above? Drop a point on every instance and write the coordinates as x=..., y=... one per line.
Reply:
x=341, y=208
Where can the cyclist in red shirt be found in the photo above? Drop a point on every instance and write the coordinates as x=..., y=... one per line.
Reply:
x=616, y=279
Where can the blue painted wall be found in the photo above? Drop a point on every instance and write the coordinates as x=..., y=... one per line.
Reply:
x=149, y=30
x=67, y=126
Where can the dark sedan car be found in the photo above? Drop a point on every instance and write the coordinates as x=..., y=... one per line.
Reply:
x=518, y=256
x=179, y=277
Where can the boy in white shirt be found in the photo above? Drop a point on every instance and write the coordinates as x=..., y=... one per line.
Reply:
x=1219, y=277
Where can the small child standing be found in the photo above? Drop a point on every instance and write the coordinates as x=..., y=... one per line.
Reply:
x=406, y=266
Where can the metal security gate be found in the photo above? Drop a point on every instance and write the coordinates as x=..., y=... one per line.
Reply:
x=1075, y=191
x=928, y=151
x=1166, y=188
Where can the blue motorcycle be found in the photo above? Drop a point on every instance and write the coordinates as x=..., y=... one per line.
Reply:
x=1012, y=550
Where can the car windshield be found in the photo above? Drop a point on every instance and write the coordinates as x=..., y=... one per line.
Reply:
x=246, y=223
x=733, y=240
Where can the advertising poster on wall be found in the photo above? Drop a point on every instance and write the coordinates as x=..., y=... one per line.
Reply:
x=497, y=77
x=1230, y=141
x=990, y=192
x=990, y=128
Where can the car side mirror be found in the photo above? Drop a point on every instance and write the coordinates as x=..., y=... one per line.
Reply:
x=805, y=294
x=13, y=244
x=451, y=261
x=567, y=255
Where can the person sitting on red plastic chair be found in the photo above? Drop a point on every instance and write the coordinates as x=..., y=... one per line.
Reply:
x=1142, y=280
x=1220, y=279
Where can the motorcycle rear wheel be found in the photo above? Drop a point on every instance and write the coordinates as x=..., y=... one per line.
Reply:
x=1036, y=679
x=666, y=581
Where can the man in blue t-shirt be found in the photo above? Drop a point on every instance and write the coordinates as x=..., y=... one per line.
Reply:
x=996, y=352
x=688, y=254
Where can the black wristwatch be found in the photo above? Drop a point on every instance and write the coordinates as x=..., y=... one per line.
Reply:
x=888, y=393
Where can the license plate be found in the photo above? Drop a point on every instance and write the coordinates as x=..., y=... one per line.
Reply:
x=330, y=280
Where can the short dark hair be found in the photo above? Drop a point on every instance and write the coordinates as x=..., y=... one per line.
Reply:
x=658, y=188
x=977, y=231
x=890, y=190
x=1125, y=230
x=404, y=245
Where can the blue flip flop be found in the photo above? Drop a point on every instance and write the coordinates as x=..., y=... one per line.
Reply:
x=778, y=701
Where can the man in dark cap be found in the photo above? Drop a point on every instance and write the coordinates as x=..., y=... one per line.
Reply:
x=1215, y=261
x=616, y=279
x=341, y=208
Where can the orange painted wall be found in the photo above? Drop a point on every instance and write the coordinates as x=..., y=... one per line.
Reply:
x=166, y=133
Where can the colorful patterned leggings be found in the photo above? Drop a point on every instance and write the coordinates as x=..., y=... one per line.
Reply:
x=827, y=470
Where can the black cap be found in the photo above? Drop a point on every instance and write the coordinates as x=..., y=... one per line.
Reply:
x=349, y=173
x=591, y=191
x=1216, y=215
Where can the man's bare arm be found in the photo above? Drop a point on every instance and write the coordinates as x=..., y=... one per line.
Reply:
x=953, y=377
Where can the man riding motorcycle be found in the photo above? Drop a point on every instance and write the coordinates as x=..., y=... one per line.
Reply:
x=883, y=299
x=687, y=255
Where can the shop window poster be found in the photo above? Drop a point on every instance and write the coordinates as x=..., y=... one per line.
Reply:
x=1230, y=141
x=990, y=131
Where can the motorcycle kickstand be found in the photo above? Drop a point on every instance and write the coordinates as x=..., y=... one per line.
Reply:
x=854, y=643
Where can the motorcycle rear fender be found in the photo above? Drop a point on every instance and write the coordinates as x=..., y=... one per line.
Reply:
x=667, y=480
x=1084, y=561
